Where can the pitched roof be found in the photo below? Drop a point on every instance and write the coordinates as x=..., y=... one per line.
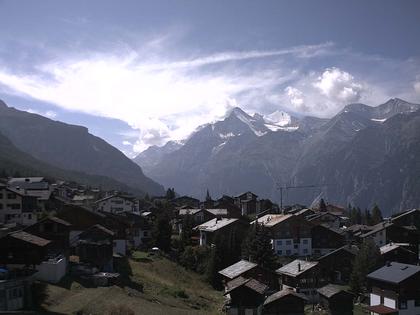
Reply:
x=391, y=246
x=281, y=294
x=296, y=267
x=270, y=220
x=377, y=228
x=217, y=211
x=402, y=214
x=352, y=249
x=237, y=269
x=394, y=272
x=57, y=220
x=330, y=290
x=30, y=238
x=251, y=283
x=189, y=211
x=215, y=224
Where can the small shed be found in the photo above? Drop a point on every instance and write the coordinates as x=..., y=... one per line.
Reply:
x=336, y=300
x=285, y=302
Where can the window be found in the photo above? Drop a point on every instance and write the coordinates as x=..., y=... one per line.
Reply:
x=11, y=196
x=279, y=252
x=305, y=251
x=288, y=242
x=145, y=233
x=279, y=242
x=1, y=206
x=305, y=241
x=296, y=246
x=30, y=216
x=14, y=206
x=403, y=304
x=1, y=196
x=417, y=302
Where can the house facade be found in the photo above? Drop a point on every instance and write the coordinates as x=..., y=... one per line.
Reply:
x=291, y=235
x=17, y=207
x=117, y=204
x=394, y=288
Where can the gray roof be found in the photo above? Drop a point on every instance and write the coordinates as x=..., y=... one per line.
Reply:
x=297, y=267
x=217, y=211
x=189, y=211
x=237, y=269
x=376, y=228
x=215, y=224
x=394, y=272
x=330, y=290
x=30, y=238
x=391, y=246
x=352, y=249
x=251, y=283
x=280, y=294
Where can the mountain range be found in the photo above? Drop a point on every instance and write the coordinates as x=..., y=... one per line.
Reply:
x=32, y=143
x=363, y=155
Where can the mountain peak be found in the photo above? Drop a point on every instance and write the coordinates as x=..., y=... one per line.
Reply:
x=3, y=104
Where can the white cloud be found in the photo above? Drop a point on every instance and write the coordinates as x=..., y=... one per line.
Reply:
x=163, y=100
x=49, y=113
x=125, y=142
x=296, y=97
x=339, y=86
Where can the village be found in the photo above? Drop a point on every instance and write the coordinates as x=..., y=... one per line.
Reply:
x=263, y=258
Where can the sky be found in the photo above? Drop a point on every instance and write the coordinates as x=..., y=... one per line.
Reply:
x=141, y=73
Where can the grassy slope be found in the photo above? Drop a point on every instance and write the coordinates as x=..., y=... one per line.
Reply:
x=168, y=289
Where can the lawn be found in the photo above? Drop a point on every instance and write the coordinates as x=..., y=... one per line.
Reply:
x=152, y=285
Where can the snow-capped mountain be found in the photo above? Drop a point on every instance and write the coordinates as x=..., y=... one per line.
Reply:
x=244, y=152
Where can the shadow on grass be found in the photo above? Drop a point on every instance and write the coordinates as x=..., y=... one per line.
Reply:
x=39, y=296
x=122, y=266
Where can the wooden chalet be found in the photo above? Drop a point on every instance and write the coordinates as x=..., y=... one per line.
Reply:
x=394, y=289
x=335, y=300
x=246, y=296
x=285, y=302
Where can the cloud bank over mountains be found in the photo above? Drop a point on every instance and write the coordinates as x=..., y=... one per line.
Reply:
x=165, y=98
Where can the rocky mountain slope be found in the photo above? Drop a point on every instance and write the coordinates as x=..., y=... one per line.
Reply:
x=71, y=147
x=336, y=155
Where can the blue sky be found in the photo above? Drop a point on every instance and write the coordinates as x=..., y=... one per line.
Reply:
x=140, y=73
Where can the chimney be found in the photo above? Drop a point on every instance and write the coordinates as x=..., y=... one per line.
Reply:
x=299, y=267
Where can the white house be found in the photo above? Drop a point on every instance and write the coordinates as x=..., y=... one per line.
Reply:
x=17, y=207
x=117, y=204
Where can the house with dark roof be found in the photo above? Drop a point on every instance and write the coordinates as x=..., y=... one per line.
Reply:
x=231, y=229
x=335, y=300
x=394, y=289
x=291, y=235
x=336, y=266
x=407, y=218
x=285, y=302
x=95, y=247
x=117, y=203
x=327, y=218
x=245, y=296
x=303, y=277
x=186, y=201
x=22, y=248
x=16, y=206
x=398, y=252
x=248, y=203
x=326, y=239
x=247, y=269
x=387, y=232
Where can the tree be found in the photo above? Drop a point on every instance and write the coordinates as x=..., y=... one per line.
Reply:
x=359, y=217
x=219, y=259
x=147, y=197
x=367, y=219
x=367, y=260
x=162, y=232
x=322, y=206
x=376, y=215
x=258, y=249
x=208, y=197
x=170, y=193
x=187, y=230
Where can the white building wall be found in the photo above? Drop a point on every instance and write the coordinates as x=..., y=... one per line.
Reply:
x=390, y=303
x=412, y=309
x=375, y=299
x=286, y=247
x=51, y=270
x=117, y=205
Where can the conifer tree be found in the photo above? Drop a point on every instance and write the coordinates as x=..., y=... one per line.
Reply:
x=376, y=215
x=322, y=206
x=367, y=260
